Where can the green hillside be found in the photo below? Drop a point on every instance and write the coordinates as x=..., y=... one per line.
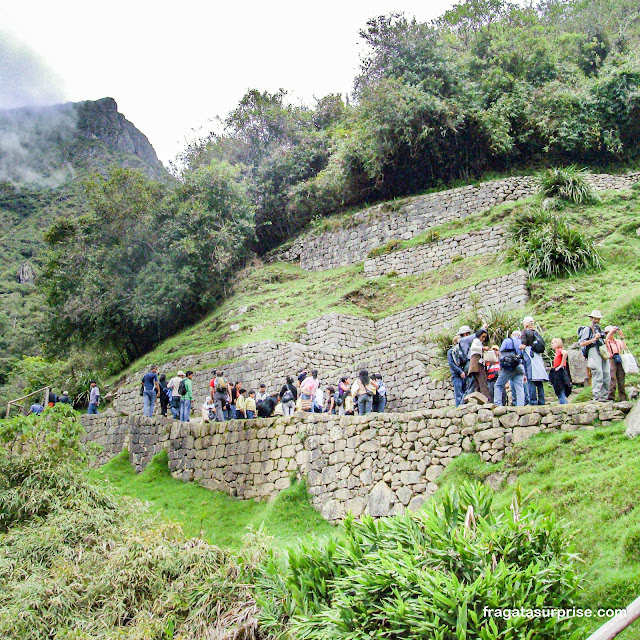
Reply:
x=274, y=301
x=56, y=149
x=591, y=481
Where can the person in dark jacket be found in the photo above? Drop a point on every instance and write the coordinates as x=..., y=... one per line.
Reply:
x=457, y=372
x=164, y=395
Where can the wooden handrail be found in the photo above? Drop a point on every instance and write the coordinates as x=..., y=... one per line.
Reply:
x=17, y=401
x=618, y=623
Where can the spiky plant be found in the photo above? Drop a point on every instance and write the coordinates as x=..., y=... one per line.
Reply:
x=567, y=183
x=545, y=244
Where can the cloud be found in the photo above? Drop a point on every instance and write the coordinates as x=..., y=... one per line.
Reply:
x=25, y=78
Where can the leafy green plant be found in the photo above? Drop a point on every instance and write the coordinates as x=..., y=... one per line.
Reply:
x=546, y=245
x=428, y=574
x=567, y=183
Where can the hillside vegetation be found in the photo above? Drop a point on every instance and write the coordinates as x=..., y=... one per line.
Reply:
x=275, y=301
x=489, y=87
x=83, y=563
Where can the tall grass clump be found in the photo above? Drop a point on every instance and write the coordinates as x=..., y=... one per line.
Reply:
x=78, y=563
x=428, y=574
x=546, y=245
x=568, y=184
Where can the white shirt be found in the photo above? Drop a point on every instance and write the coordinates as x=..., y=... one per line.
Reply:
x=174, y=385
x=260, y=397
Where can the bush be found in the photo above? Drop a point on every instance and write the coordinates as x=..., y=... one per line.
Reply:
x=427, y=574
x=543, y=243
x=568, y=184
x=77, y=563
x=499, y=321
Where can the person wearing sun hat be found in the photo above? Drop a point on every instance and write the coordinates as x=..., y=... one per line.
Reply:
x=616, y=347
x=592, y=338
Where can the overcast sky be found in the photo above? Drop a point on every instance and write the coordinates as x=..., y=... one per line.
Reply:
x=172, y=68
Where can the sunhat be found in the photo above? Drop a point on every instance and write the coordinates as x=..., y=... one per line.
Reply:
x=181, y=373
x=595, y=314
x=464, y=329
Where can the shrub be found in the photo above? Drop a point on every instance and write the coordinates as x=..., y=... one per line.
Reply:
x=568, y=184
x=499, y=321
x=543, y=243
x=427, y=574
x=76, y=562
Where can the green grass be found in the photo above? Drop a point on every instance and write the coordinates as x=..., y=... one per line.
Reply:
x=281, y=298
x=591, y=480
x=212, y=515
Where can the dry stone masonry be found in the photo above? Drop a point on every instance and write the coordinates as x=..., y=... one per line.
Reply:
x=375, y=226
x=432, y=256
x=339, y=344
x=378, y=464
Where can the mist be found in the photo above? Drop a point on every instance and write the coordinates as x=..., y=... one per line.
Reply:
x=30, y=130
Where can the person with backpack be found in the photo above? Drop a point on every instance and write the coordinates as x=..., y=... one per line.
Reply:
x=186, y=396
x=165, y=395
x=616, y=348
x=592, y=340
x=343, y=391
x=174, y=386
x=511, y=370
x=220, y=393
x=537, y=372
x=455, y=360
x=288, y=397
x=150, y=389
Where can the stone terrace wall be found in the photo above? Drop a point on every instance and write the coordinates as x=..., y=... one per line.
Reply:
x=507, y=291
x=378, y=464
x=429, y=257
x=377, y=225
x=339, y=331
x=395, y=347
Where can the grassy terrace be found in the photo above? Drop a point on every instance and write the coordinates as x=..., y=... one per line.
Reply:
x=274, y=302
x=211, y=515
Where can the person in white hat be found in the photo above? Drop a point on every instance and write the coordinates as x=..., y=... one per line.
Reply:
x=174, y=385
x=592, y=341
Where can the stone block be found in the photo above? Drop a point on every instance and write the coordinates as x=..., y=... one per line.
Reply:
x=380, y=500
x=520, y=434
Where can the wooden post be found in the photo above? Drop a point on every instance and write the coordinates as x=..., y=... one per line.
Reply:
x=619, y=623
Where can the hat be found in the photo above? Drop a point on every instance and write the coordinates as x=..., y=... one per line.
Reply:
x=527, y=320
x=495, y=346
x=595, y=314
x=609, y=328
x=464, y=329
x=181, y=373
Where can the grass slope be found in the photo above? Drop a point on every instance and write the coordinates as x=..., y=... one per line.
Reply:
x=274, y=302
x=591, y=480
x=211, y=515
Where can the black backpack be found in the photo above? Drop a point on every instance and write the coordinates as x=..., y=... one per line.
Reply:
x=510, y=359
x=182, y=388
x=288, y=395
x=538, y=345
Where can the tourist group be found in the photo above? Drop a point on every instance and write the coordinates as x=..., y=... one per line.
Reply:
x=519, y=364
